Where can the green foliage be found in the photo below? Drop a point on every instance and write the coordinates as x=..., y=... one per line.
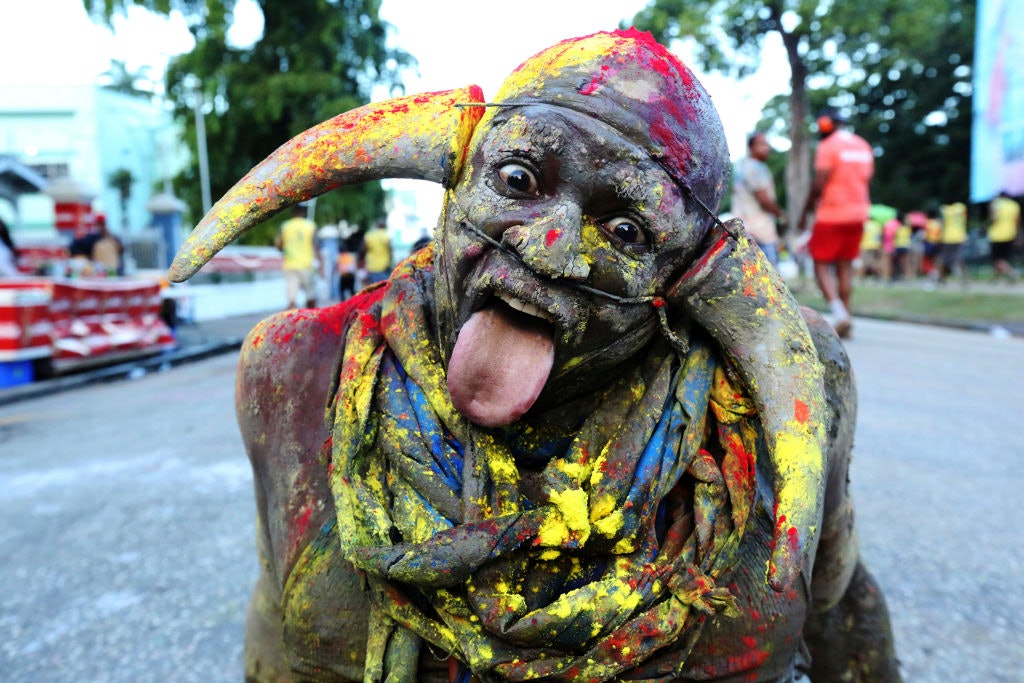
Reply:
x=316, y=59
x=915, y=107
x=120, y=78
x=122, y=181
x=900, y=69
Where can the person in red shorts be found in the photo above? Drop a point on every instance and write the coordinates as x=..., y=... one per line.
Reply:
x=839, y=199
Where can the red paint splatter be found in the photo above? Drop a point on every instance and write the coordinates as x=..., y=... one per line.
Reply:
x=800, y=411
x=794, y=539
x=747, y=661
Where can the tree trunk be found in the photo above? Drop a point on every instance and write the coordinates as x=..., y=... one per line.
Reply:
x=798, y=163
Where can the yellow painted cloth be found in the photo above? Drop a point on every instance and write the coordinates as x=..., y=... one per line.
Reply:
x=578, y=584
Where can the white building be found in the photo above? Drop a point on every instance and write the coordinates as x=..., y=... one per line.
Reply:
x=87, y=133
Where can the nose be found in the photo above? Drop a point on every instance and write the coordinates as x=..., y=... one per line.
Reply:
x=550, y=245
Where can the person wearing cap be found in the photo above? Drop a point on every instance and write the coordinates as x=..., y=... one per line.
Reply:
x=585, y=435
x=840, y=201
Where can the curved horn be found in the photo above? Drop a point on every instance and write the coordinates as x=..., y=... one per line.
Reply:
x=417, y=136
x=735, y=293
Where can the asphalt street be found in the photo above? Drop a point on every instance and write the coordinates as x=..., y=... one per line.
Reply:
x=126, y=515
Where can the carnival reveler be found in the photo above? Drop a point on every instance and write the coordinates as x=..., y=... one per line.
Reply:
x=587, y=435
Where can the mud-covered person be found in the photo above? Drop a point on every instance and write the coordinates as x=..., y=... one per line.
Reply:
x=587, y=435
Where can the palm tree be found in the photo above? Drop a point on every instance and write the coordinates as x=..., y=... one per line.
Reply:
x=120, y=79
x=121, y=180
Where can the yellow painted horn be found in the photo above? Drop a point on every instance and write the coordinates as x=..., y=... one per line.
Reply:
x=738, y=297
x=418, y=136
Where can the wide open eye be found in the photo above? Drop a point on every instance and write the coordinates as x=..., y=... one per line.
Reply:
x=518, y=178
x=625, y=229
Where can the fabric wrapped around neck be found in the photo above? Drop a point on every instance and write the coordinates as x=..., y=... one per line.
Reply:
x=643, y=507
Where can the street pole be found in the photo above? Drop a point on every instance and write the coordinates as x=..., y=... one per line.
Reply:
x=204, y=166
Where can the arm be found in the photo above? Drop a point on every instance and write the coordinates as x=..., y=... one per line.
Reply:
x=820, y=180
x=767, y=202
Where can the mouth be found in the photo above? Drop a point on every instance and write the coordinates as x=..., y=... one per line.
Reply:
x=501, y=361
x=525, y=307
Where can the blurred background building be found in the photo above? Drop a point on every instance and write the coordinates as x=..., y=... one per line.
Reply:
x=111, y=150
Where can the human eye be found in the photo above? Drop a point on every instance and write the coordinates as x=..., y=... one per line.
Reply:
x=625, y=229
x=519, y=178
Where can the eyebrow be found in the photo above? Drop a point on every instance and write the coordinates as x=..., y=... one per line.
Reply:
x=636, y=187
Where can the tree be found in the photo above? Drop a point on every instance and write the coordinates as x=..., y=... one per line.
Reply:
x=315, y=59
x=120, y=78
x=835, y=50
x=122, y=180
x=916, y=108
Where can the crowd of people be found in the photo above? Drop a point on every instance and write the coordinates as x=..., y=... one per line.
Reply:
x=934, y=245
x=94, y=251
x=330, y=264
x=852, y=237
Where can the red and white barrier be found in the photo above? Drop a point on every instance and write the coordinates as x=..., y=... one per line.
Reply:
x=80, y=322
x=26, y=326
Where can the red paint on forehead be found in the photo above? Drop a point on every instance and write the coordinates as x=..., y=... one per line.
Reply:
x=670, y=114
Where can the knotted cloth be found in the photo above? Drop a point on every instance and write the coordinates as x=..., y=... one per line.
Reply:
x=643, y=507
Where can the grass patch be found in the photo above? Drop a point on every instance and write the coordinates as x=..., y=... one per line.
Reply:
x=912, y=301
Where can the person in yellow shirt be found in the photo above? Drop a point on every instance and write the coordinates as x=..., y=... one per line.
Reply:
x=1003, y=228
x=932, y=244
x=301, y=258
x=375, y=253
x=954, y=236
x=871, y=249
x=902, y=242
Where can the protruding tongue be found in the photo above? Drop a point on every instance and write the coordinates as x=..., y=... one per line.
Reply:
x=499, y=365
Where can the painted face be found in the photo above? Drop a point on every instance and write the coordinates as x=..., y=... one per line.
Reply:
x=576, y=207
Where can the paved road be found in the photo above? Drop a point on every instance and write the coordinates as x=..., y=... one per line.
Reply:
x=126, y=516
x=126, y=531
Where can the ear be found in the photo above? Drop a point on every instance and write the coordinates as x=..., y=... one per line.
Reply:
x=737, y=296
x=418, y=136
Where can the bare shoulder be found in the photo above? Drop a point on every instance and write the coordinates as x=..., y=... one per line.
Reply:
x=286, y=370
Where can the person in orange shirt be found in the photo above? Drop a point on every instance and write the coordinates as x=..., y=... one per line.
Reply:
x=839, y=198
x=347, y=266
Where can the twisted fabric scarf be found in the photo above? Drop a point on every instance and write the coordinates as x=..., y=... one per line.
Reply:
x=643, y=508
